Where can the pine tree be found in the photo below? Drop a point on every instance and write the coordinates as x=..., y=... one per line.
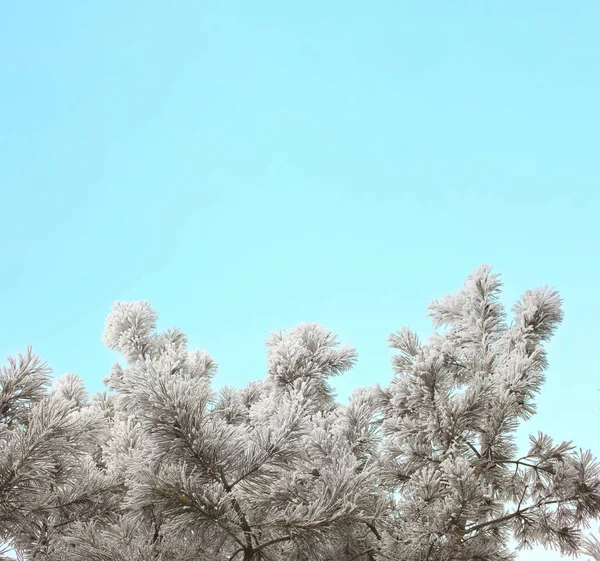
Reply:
x=48, y=442
x=161, y=467
x=449, y=419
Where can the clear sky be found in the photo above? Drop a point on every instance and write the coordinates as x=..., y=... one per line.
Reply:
x=247, y=166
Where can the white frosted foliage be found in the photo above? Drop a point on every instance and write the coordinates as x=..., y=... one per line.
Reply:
x=161, y=467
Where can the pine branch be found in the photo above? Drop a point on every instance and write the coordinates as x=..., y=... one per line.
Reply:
x=238, y=510
x=271, y=542
x=518, y=512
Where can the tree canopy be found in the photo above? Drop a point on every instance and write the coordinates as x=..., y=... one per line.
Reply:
x=161, y=467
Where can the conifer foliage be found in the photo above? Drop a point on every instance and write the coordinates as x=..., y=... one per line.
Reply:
x=161, y=467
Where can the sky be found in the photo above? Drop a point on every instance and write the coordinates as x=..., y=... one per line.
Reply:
x=247, y=166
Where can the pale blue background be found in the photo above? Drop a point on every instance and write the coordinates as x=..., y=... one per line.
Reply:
x=246, y=166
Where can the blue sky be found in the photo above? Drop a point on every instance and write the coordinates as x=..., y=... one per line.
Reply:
x=247, y=166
